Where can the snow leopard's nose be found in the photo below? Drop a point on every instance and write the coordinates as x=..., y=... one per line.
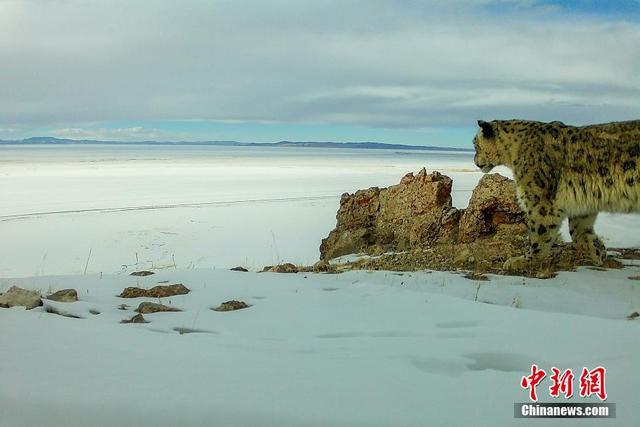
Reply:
x=475, y=160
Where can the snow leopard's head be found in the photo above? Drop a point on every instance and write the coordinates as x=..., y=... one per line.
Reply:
x=488, y=150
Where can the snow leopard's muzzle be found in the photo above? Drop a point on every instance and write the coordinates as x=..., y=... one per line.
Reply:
x=484, y=167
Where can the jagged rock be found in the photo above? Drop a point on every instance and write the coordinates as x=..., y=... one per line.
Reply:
x=413, y=226
x=155, y=292
x=322, y=266
x=152, y=307
x=231, y=306
x=16, y=296
x=133, y=292
x=168, y=291
x=65, y=295
x=239, y=268
x=282, y=268
x=415, y=213
x=142, y=273
x=492, y=208
x=138, y=318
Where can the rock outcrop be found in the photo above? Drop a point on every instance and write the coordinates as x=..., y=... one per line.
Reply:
x=322, y=266
x=152, y=307
x=138, y=318
x=415, y=213
x=65, y=295
x=159, y=291
x=16, y=296
x=142, y=273
x=418, y=214
x=231, y=306
x=492, y=211
x=287, y=267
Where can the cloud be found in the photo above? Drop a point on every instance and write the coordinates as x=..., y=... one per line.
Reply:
x=370, y=63
x=9, y=130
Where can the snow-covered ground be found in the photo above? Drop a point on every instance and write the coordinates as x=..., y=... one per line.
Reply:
x=359, y=348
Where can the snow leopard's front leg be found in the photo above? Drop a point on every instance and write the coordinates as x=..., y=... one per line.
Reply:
x=543, y=223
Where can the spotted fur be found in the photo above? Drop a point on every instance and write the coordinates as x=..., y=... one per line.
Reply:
x=565, y=171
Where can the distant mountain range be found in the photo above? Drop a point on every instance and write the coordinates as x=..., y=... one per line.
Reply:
x=46, y=140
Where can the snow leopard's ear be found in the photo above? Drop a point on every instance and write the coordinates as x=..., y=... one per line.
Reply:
x=487, y=129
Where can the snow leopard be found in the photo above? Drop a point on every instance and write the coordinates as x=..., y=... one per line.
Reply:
x=564, y=171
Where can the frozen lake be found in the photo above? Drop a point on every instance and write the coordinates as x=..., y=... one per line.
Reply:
x=54, y=179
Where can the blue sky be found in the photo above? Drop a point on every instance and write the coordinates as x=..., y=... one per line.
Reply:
x=597, y=7
x=397, y=71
